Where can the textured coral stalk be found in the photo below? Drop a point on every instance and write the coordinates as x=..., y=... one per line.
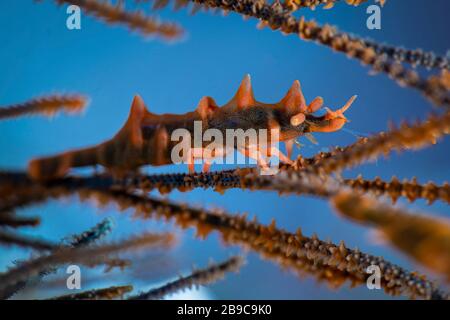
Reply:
x=302, y=163
x=304, y=255
x=293, y=5
x=75, y=241
x=160, y=4
x=415, y=58
x=287, y=182
x=134, y=20
x=16, y=192
x=291, y=180
x=8, y=219
x=276, y=18
x=290, y=5
x=283, y=183
x=334, y=264
x=9, y=238
x=406, y=137
x=22, y=198
x=205, y=276
x=90, y=256
x=100, y=230
x=46, y=105
x=410, y=189
x=324, y=260
x=424, y=238
x=98, y=294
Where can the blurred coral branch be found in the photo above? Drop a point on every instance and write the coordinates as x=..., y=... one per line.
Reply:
x=8, y=219
x=98, y=294
x=9, y=238
x=75, y=241
x=324, y=260
x=134, y=20
x=424, y=238
x=414, y=136
x=410, y=189
x=91, y=256
x=48, y=106
x=208, y=275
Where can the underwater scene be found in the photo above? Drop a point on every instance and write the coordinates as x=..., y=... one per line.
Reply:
x=224, y=149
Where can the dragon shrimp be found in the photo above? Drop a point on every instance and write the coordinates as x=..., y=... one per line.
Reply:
x=145, y=139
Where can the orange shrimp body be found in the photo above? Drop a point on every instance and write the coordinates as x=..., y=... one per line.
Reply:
x=146, y=137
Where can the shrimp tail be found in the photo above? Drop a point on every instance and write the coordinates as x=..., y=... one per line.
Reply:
x=58, y=165
x=113, y=154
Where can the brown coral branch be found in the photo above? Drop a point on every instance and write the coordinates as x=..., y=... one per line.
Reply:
x=160, y=4
x=406, y=137
x=424, y=238
x=90, y=256
x=48, y=106
x=415, y=58
x=418, y=57
x=305, y=255
x=288, y=182
x=293, y=5
x=395, y=188
x=19, y=199
x=290, y=5
x=275, y=17
x=134, y=20
x=75, y=241
x=17, y=191
x=10, y=238
x=312, y=256
x=98, y=294
x=296, y=179
x=100, y=230
x=8, y=219
x=205, y=276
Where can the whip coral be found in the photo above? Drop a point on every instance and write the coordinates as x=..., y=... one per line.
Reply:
x=134, y=20
x=331, y=37
x=305, y=255
x=417, y=57
x=405, y=137
x=409, y=189
x=422, y=237
x=48, y=106
x=79, y=240
x=23, y=241
x=208, y=275
x=8, y=219
x=90, y=256
x=150, y=139
x=98, y=294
